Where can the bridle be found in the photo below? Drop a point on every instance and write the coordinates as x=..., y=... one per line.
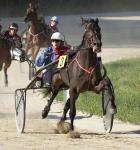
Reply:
x=92, y=28
x=35, y=35
x=90, y=40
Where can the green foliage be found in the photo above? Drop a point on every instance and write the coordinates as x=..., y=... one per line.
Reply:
x=125, y=76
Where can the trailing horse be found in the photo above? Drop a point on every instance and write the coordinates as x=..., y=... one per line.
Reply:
x=37, y=34
x=5, y=56
x=10, y=50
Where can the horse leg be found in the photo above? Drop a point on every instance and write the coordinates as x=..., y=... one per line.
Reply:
x=1, y=64
x=73, y=96
x=66, y=108
x=35, y=52
x=6, y=66
x=27, y=47
x=47, y=107
x=98, y=88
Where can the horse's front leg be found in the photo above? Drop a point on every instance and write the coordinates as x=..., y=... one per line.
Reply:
x=46, y=109
x=1, y=64
x=28, y=47
x=73, y=96
x=5, y=76
x=6, y=66
x=98, y=88
x=66, y=108
x=35, y=52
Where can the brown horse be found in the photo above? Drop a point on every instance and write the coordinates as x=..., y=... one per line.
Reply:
x=81, y=74
x=8, y=47
x=5, y=56
x=38, y=34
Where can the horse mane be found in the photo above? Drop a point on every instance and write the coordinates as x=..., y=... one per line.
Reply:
x=80, y=46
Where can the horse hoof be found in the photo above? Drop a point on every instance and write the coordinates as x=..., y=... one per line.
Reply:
x=63, y=118
x=44, y=113
x=6, y=84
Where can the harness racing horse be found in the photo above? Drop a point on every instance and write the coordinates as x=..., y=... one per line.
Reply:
x=81, y=74
x=37, y=34
x=9, y=49
x=5, y=56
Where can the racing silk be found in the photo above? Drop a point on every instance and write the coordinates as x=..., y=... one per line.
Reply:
x=60, y=52
x=49, y=55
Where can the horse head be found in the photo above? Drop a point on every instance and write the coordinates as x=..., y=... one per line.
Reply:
x=92, y=35
x=31, y=14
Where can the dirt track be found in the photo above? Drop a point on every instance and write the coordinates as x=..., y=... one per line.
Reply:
x=39, y=134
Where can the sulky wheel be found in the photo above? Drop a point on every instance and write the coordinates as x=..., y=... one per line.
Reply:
x=20, y=104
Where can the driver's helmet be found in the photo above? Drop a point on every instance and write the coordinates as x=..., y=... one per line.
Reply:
x=54, y=18
x=13, y=26
x=58, y=36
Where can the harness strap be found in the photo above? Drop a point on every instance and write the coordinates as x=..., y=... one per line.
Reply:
x=88, y=71
x=35, y=34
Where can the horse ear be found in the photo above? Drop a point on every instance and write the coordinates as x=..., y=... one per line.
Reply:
x=82, y=18
x=37, y=6
x=97, y=20
x=34, y=4
x=82, y=21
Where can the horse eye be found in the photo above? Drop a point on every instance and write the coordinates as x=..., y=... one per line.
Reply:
x=95, y=44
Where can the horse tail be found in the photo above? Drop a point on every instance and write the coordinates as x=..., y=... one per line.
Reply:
x=111, y=85
x=105, y=71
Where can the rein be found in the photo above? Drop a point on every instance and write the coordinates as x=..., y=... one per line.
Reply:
x=34, y=35
x=88, y=71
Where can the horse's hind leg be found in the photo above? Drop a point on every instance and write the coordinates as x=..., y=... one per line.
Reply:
x=6, y=66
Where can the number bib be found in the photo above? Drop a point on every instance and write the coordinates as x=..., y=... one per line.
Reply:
x=62, y=61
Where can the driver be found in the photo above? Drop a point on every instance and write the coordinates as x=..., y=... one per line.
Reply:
x=12, y=35
x=53, y=25
x=51, y=54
